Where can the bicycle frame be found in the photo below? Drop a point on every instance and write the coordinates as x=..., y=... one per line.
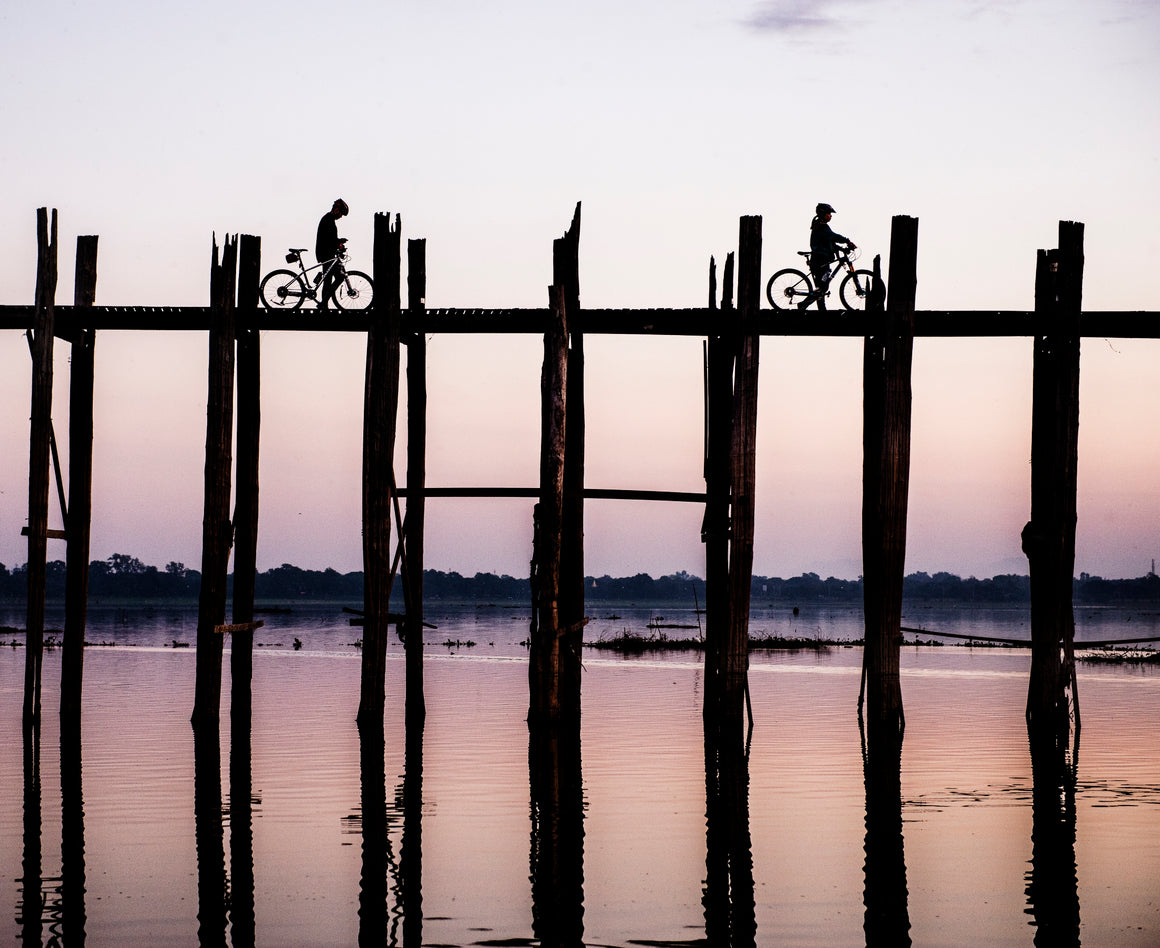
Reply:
x=327, y=267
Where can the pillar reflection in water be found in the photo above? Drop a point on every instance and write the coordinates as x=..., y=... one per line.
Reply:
x=887, y=919
x=391, y=890
x=241, y=810
x=29, y=916
x=212, y=886
x=727, y=897
x=72, y=856
x=557, y=838
x=1052, y=893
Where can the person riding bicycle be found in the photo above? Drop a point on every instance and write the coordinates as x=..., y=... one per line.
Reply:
x=327, y=245
x=824, y=243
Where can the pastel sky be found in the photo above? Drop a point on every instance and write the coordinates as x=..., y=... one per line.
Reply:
x=157, y=126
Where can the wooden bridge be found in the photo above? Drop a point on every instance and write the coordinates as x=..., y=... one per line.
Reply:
x=732, y=331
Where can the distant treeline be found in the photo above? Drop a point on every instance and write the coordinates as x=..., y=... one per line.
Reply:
x=126, y=577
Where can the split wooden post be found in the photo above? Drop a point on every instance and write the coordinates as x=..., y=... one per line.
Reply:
x=413, y=524
x=544, y=658
x=40, y=433
x=566, y=274
x=888, y=354
x=743, y=472
x=249, y=375
x=720, y=352
x=1049, y=537
x=380, y=408
x=80, y=487
x=217, y=531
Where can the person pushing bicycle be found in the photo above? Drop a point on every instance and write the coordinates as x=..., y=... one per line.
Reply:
x=824, y=243
x=327, y=245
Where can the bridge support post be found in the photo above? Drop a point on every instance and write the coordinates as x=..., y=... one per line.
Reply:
x=743, y=475
x=40, y=339
x=888, y=354
x=1049, y=537
x=413, y=524
x=80, y=489
x=217, y=533
x=380, y=409
x=566, y=274
x=246, y=493
x=719, y=357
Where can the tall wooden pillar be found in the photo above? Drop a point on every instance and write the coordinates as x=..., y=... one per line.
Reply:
x=80, y=487
x=380, y=407
x=1049, y=537
x=743, y=465
x=246, y=492
x=566, y=274
x=888, y=355
x=217, y=530
x=544, y=659
x=40, y=339
x=413, y=525
x=720, y=353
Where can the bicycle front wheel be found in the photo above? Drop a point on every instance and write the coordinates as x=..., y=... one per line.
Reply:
x=282, y=289
x=855, y=289
x=787, y=288
x=353, y=291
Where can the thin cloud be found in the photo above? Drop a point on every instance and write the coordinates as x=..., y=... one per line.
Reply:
x=792, y=16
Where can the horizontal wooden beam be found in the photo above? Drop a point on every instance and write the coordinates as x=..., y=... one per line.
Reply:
x=590, y=493
x=50, y=534
x=1119, y=324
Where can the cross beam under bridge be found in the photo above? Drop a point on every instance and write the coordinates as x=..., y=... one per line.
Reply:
x=699, y=321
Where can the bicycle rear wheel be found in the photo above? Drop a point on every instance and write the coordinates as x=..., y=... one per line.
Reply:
x=353, y=291
x=282, y=289
x=787, y=288
x=855, y=289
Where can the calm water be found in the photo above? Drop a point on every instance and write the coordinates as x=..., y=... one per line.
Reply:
x=138, y=840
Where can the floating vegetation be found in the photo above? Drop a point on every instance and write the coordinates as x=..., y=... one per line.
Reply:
x=633, y=643
x=456, y=643
x=1120, y=656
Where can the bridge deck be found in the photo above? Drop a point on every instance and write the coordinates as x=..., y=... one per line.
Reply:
x=1124, y=324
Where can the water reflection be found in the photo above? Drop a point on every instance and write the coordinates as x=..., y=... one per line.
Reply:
x=241, y=814
x=409, y=892
x=887, y=918
x=557, y=838
x=376, y=844
x=72, y=856
x=727, y=896
x=212, y=883
x=1052, y=894
x=29, y=916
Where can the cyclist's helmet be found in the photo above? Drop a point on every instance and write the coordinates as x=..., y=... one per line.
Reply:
x=824, y=209
x=341, y=205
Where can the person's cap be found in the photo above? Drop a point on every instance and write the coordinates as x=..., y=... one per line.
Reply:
x=824, y=209
x=341, y=205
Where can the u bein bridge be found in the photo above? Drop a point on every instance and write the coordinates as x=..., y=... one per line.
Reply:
x=732, y=325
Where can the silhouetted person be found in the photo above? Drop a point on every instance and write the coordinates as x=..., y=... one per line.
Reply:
x=326, y=247
x=824, y=244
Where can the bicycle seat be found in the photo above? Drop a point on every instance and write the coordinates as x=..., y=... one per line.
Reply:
x=804, y=253
x=298, y=249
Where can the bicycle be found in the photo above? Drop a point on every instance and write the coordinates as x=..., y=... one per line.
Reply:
x=285, y=289
x=791, y=288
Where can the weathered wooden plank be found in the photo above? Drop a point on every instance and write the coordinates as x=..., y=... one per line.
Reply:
x=743, y=473
x=545, y=632
x=414, y=524
x=216, y=530
x=886, y=477
x=80, y=478
x=40, y=429
x=380, y=407
x=1049, y=536
x=566, y=274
